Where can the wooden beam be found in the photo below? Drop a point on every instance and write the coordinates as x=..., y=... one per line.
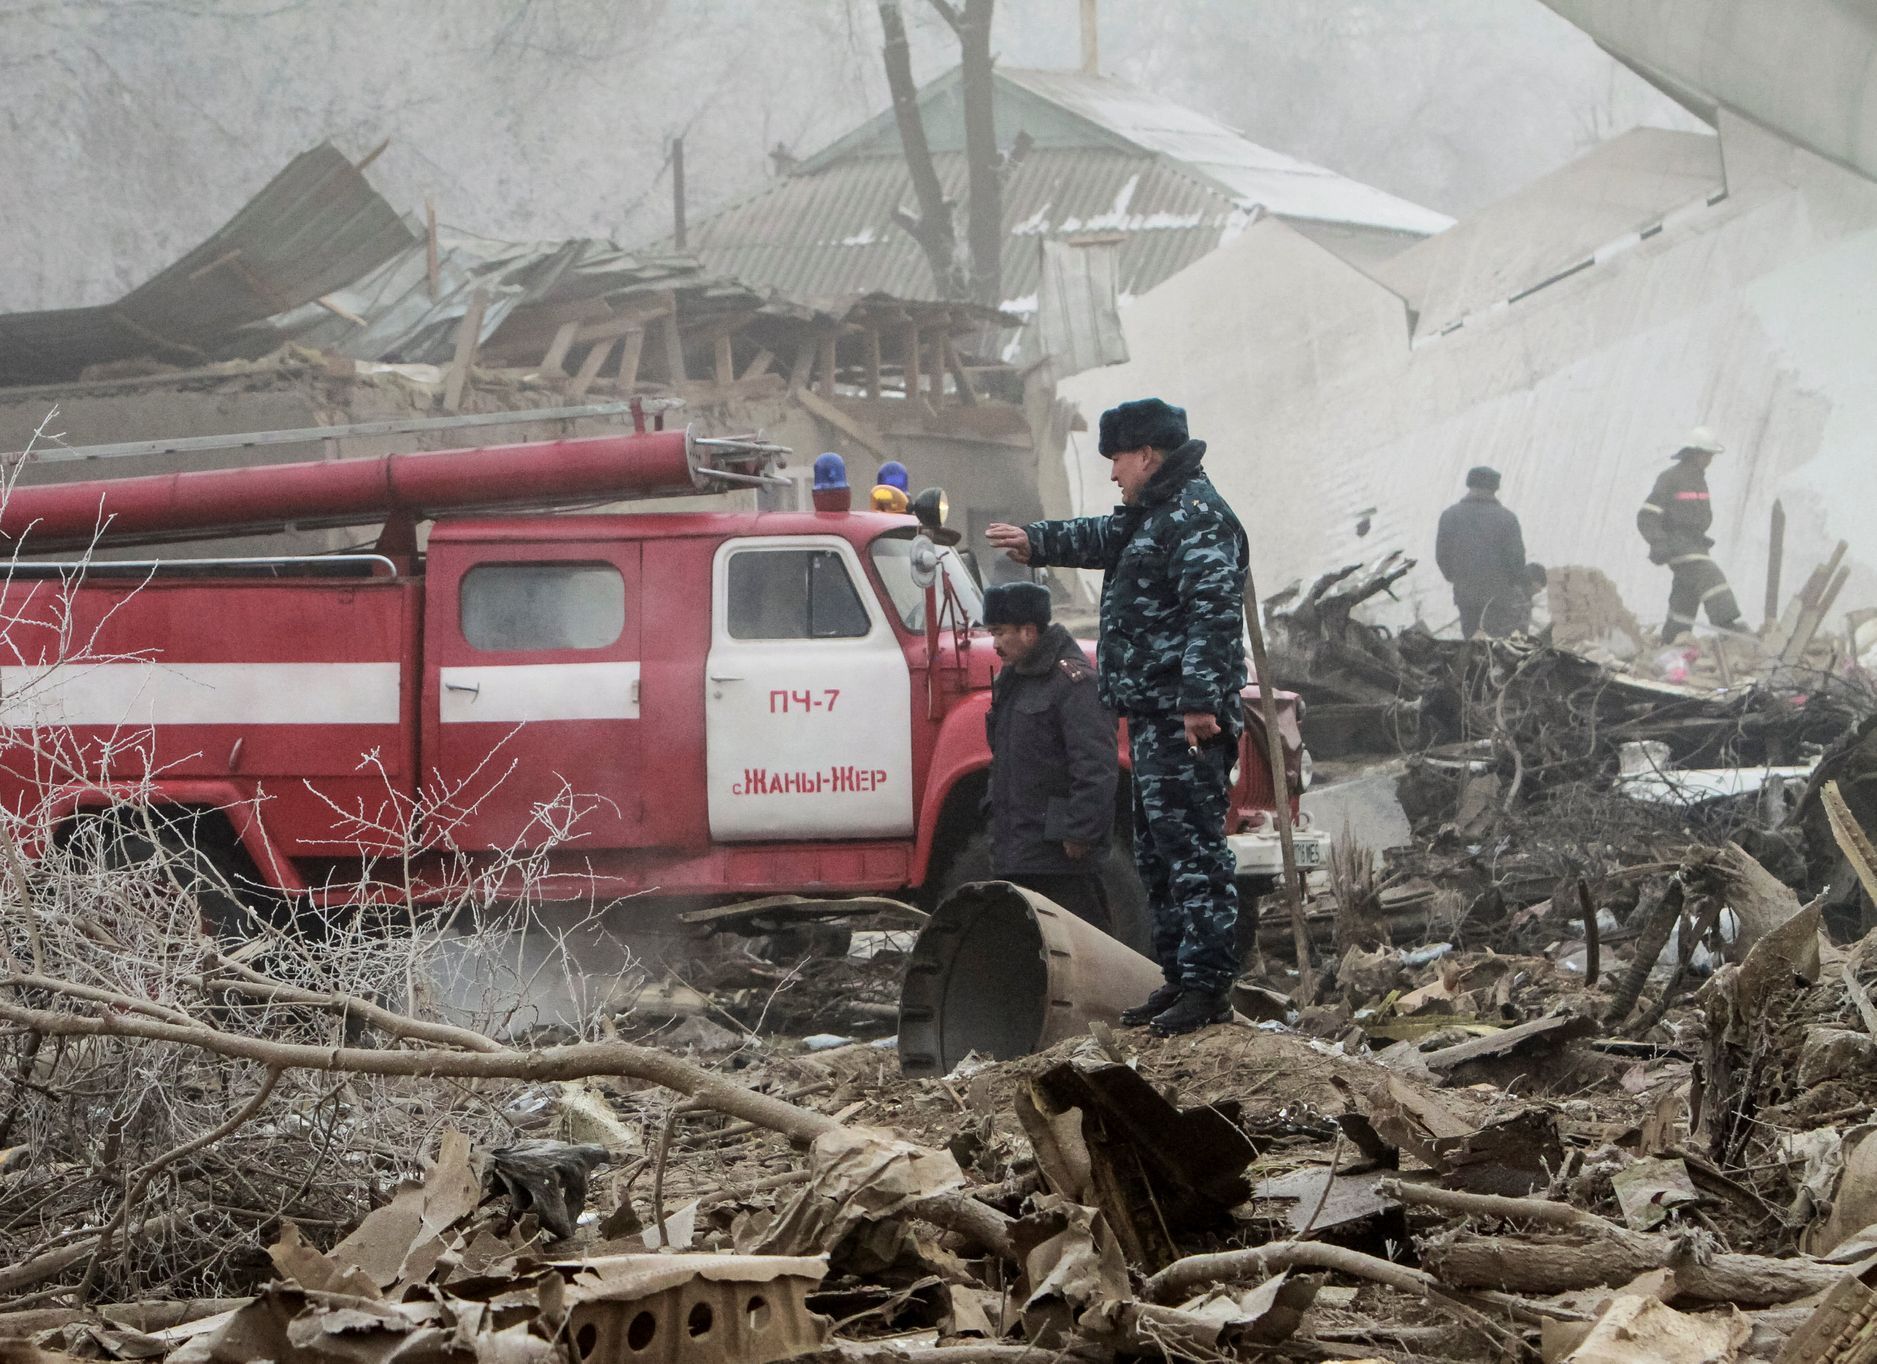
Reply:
x=468, y=337
x=674, y=343
x=873, y=362
x=937, y=371
x=373, y=155
x=558, y=348
x=851, y=427
x=760, y=365
x=909, y=361
x=962, y=380
x=726, y=360
x=338, y=311
x=630, y=352
x=431, y=267
x=824, y=370
x=606, y=329
x=590, y=367
x=803, y=367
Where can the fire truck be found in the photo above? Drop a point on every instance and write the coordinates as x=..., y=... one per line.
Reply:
x=679, y=704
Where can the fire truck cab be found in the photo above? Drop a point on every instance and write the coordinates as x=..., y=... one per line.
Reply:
x=690, y=704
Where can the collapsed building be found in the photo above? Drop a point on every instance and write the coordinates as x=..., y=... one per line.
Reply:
x=1568, y=336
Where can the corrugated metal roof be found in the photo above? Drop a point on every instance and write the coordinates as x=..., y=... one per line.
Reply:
x=1106, y=157
x=830, y=234
x=404, y=324
x=316, y=225
x=1284, y=185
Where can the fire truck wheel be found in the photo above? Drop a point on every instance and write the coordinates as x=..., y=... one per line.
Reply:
x=1251, y=893
x=183, y=848
x=1129, y=921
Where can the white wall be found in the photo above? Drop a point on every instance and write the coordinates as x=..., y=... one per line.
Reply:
x=1756, y=315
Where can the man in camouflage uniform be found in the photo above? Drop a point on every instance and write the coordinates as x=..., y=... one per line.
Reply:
x=1675, y=522
x=1172, y=661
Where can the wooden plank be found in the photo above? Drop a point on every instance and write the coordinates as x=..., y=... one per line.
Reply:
x=909, y=361
x=873, y=362
x=630, y=352
x=611, y=328
x=590, y=367
x=339, y=311
x=557, y=349
x=803, y=367
x=674, y=345
x=468, y=337
x=1775, y=560
x=960, y=379
x=726, y=361
x=936, y=369
x=431, y=268
x=373, y=155
x=759, y=366
x=825, y=367
x=854, y=429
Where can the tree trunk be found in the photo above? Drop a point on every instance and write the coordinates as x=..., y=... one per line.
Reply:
x=932, y=229
x=984, y=222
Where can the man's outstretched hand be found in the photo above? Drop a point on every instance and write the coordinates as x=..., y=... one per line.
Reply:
x=1200, y=726
x=1012, y=540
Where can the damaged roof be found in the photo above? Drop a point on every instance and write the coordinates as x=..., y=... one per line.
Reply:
x=1102, y=157
x=315, y=226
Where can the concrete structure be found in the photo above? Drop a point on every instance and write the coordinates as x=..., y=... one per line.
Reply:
x=1569, y=336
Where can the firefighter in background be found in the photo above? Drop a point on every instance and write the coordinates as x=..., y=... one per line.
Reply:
x=1675, y=522
x=891, y=493
x=1054, y=760
x=831, y=493
x=1481, y=551
x=1173, y=662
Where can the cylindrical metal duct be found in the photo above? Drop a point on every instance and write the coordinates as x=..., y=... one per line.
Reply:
x=1003, y=972
x=347, y=492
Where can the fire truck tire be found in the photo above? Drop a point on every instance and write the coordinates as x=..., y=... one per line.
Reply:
x=1251, y=893
x=187, y=842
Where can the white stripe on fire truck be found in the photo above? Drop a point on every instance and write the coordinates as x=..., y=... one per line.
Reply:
x=152, y=693
x=521, y=692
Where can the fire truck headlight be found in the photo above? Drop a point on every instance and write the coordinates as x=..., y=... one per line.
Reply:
x=1305, y=770
x=931, y=507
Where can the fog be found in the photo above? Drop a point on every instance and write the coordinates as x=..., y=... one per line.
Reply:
x=553, y=118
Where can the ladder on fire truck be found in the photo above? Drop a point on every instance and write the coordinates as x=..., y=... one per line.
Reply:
x=397, y=490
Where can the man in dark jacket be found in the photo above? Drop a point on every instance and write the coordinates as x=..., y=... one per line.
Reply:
x=1675, y=522
x=1054, y=759
x=1481, y=551
x=1172, y=662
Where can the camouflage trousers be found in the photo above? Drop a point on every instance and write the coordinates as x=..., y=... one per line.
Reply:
x=1699, y=583
x=1180, y=851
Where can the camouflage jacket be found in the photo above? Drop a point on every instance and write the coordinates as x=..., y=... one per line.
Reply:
x=1173, y=599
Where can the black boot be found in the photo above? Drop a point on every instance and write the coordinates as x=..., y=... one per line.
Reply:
x=1195, y=1009
x=1157, y=1003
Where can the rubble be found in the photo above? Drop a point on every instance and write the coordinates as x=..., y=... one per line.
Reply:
x=1585, y=1076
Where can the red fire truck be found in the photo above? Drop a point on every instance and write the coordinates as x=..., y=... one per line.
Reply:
x=697, y=705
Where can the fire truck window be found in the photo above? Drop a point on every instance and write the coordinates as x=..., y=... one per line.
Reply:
x=533, y=607
x=794, y=594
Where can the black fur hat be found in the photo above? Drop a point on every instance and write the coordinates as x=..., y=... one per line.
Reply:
x=1017, y=603
x=1145, y=421
x=1483, y=478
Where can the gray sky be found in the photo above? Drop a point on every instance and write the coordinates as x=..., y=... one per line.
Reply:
x=135, y=127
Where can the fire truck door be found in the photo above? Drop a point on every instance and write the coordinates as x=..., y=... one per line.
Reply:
x=534, y=693
x=807, y=697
